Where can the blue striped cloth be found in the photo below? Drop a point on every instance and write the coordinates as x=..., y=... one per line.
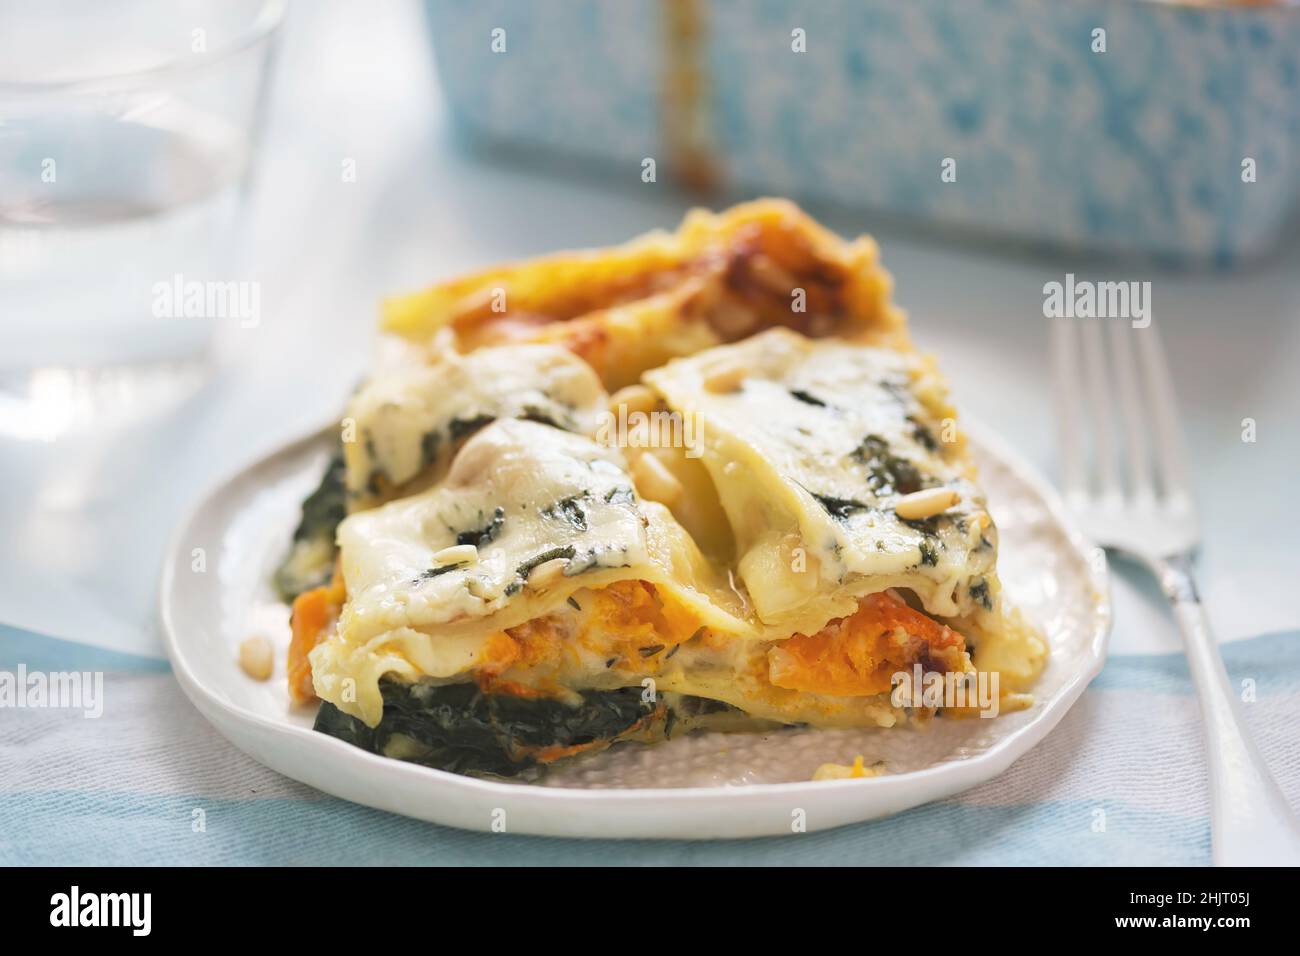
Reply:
x=1120, y=781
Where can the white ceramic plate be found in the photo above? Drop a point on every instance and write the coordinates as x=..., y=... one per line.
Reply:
x=216, y=592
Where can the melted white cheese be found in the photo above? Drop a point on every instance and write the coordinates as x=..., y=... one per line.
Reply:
x=526, y=495
x=407, y=420
x=808, y=451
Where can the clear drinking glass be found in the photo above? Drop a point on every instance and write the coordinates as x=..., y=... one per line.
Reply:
x=127, y=134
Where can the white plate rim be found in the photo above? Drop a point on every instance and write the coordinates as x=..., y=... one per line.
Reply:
x=632, y=812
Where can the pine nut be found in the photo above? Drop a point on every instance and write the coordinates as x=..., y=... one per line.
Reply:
x=635, y=398
x=725, y=378
x=456, y=554
x=1010, y=703
x=925, y=504
x=547, y=573
x=856, y=770
x=655, y=481
x=770, y=274
x=257, y=658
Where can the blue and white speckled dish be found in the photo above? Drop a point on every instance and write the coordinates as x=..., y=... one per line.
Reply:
x=702, y=786
x=1139, y=149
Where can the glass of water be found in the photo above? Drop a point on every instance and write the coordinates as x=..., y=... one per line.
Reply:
x=127, y=134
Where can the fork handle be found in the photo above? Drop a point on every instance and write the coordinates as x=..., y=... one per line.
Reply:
x=1250, y=821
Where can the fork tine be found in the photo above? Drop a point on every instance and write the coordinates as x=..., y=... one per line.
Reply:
x=1069, y=425
x=1133, y=412
x=1099, y=395
x=1171, y=459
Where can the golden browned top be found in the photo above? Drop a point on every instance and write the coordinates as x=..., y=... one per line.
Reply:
x=719, y=278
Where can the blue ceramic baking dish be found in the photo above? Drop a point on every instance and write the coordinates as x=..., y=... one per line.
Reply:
x=1174, y=132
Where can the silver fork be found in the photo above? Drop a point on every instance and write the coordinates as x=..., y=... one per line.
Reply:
x=1124, y=474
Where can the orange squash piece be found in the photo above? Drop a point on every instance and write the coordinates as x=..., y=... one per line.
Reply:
x=314, y=613
x=857, y=656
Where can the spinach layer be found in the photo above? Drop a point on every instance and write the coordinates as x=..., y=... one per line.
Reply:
x=457, y=727
x=310, y=561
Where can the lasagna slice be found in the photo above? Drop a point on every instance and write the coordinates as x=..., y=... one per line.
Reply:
x=771, y=519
